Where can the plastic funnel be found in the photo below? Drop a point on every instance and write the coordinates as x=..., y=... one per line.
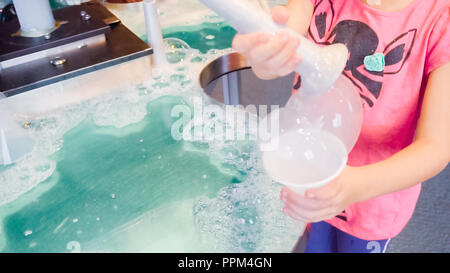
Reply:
x=320, y=67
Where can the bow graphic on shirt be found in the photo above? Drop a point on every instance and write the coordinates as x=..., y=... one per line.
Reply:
x=362, y=42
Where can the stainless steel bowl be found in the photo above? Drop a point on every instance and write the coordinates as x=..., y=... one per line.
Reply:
x=231, y=81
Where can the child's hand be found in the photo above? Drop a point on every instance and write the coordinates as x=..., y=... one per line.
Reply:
x=270, y=56
x=326, y=202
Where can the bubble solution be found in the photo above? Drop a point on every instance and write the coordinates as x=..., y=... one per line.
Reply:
x=305, y=158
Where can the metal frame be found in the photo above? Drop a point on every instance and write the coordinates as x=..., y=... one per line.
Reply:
x=120, y=45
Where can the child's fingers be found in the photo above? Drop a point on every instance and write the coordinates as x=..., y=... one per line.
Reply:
x=297, y=214
x=310, y=215
x=280, y=15
x=293, y=214
x=307, y=216
x=245, y=42
x=302, y=202
x=290, y=197
x=329, y=191
x=288, y=53
x=265, y=51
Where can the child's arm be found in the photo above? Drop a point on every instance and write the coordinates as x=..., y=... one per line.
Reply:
x=273, y=56
x=428, y=155
x=297, y=13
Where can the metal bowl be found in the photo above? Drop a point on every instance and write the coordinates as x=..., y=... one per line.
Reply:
x=231, y=81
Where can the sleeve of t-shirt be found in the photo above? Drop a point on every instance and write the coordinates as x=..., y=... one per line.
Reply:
x=439, y=43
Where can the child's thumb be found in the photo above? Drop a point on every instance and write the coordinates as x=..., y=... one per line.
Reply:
x=280, y=15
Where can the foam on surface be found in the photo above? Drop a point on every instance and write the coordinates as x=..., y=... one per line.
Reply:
x=106, y=175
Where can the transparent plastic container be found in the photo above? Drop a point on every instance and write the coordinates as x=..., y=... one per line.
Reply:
x=315, y=135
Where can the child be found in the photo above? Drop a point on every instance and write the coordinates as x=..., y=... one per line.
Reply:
x=405, y=138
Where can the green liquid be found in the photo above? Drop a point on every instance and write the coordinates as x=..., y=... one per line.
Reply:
x=203, y=37
x=105, y=178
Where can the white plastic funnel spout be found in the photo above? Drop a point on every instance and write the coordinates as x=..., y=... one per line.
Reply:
x=320, y=67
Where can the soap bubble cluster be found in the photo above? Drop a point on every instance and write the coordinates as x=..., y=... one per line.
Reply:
x=171, y=13
x=118, y=108
x=246, y=217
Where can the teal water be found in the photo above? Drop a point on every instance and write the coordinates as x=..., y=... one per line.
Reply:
x=137, y=189
x=54, y=4
x=203, y=37
x=105, y=177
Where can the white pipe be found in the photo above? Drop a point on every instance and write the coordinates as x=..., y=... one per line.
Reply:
x=320, y=67
x=5, y=150
x=35, y=17
x=154, y=33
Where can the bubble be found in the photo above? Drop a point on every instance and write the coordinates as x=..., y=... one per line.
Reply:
x=309, y=155
x=229, y=218
x=337, y=121
x=176, y=50
x=228, y=221
x=43, y=167
x=177, y=77
x=197, y=59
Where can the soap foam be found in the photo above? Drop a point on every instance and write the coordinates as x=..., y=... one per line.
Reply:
x=243, y=217
x=116, y=108
x=246, y=217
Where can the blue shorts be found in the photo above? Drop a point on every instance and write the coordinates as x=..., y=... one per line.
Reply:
x=324, y=238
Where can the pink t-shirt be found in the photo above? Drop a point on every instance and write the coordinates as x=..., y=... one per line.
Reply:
x=401, y=49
